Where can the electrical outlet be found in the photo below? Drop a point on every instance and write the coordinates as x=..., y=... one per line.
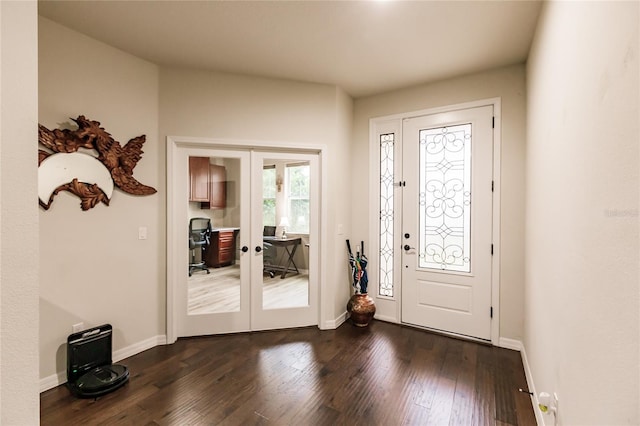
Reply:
x=142, y=233
x=77, y=327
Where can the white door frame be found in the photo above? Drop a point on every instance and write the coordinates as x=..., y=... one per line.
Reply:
x=177, y=211
x=389, y=308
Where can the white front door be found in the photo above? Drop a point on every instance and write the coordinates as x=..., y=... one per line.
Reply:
x=447, y=221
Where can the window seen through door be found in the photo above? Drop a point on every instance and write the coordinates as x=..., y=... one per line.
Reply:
x=269, y=196
x=297, y=187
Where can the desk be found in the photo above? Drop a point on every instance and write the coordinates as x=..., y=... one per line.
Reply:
x=290, y=245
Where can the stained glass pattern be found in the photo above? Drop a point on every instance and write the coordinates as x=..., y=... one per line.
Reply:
x=387, y=142
x=445, y=198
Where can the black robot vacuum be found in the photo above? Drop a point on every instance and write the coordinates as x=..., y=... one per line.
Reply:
x=90, y=371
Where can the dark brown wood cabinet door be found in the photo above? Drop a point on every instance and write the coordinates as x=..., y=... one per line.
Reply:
x=224, y=257
x=213, y=251
x=222, y=250
x=217, y=187
x=199, y=179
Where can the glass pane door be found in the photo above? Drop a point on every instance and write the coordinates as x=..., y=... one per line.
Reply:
x=217, y=290
x=286, y=227
x=251, y=223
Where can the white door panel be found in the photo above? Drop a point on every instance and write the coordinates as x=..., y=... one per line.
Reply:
x=232, y=283
x=444, y=296
x=298, y=306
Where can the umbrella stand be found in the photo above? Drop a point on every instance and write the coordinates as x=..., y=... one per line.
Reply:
x=361, y=306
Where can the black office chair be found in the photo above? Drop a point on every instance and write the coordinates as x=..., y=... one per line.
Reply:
x=268, y=252
x=199, y=237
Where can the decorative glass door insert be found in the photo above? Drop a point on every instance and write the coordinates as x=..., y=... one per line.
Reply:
x=387, y=142
x=445, y=198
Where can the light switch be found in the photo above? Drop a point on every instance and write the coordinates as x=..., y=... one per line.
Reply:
x=142, y=233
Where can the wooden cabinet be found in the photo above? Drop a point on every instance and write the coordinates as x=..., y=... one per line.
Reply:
x=199, y=179
x=217, y=187
x=222, y=250
x=207, y=183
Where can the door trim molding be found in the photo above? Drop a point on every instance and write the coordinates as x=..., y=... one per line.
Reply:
x=390, y=308
x=175, y=144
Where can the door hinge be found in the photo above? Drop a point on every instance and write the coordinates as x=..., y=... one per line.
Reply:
x=491, y=312
x=493, y=122
x=491, y=249
x=492, y=185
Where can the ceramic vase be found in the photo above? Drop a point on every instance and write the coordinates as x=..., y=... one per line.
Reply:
x=361, y=308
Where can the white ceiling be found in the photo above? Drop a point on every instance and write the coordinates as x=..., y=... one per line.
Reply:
x=365, y=47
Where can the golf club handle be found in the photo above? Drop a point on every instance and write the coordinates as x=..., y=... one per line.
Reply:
x=349, y=248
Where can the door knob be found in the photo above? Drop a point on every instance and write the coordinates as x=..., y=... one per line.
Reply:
x=244, y=249
x=258, y=249
x=407, y=248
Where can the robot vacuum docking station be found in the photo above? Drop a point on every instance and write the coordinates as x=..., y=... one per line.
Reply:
x=90, y=371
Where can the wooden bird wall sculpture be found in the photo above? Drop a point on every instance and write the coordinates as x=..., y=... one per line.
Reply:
x=88, y=176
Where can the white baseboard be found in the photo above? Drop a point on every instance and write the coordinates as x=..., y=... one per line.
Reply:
x=136, y=348
x=53, y=380
x=60, y=377
x=517, y=345
x=335, y=323
x=532, y=387
x=513, y=344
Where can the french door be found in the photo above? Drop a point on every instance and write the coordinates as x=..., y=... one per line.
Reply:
x=447, y=161
x=246, y=294
x=284, y=291
x=219, y=301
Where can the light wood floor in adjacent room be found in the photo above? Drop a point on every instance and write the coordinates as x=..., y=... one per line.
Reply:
x=219, y=291
x=385, y=374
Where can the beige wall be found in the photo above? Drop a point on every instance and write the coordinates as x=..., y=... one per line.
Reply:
x=341, y=170
x=506, y=83
x=93, y=268
x=19, y=402
x=582, y=323
x=88, y=254
x=227, y=106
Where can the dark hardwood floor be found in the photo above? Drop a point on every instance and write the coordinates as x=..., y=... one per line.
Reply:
x=385, y=374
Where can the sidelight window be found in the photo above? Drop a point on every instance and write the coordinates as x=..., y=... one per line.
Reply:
x=386, y=214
